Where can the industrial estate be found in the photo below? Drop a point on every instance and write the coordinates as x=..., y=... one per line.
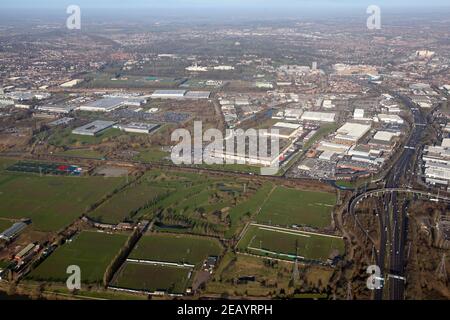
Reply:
x=87, y=180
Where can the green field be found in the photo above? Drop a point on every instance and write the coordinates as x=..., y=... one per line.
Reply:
x=248, y=207
x=65, y=138
x=51, y=202
x=5, y=224
x=176, y=248
x=197, y=203
x=282, y=244
x=4, y=264
x=91, y=251
x=6, y=163
x=83, y=153
x=287, y=207
x=233, y=168
x=153, y=278
x=128, y=202
x=152, y=155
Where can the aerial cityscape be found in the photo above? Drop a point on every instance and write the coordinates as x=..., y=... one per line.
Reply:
x=224, y=150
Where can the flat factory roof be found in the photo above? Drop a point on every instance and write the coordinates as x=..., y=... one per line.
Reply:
x=385, y=135
x=93, y=128
x=318, y=116
x=180, y=93
x=105, y=104
x=197, y=95
x=352, y=131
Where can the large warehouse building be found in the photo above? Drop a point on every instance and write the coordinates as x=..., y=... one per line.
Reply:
x=93, y=128
x=181, y=94
x=197, y=95
x=111, y=103
x=284, y=130
x=61, y=109
x=351, y=133
x=10, y=233
x=318, y=116
x=390, y=118
x=103, y=105
x=138, y=127
x=168, y=94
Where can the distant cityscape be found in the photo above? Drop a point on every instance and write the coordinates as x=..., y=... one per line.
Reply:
x=323, y=169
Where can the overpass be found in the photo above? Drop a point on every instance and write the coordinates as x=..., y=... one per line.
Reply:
x=384, y=191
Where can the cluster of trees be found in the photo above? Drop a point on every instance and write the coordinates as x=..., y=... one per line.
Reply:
x=120, y=258
x=131, y=183
x=196, y=226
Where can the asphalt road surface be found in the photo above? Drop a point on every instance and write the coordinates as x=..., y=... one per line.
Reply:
x=394, y=233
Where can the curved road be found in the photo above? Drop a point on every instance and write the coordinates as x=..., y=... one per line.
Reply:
x=394, y=226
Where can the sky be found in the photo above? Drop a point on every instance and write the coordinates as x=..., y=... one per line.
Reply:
x=230, y=4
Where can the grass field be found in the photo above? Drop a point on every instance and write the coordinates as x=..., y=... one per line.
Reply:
x=248, y=207
x=4, y=264
x=287, y=207
x=234, y=266
x=176, y=248
x=5, y=224
x=282, y=244
x=233, y=168
x=270, y=277
x=91, y=251
x=64, y=138
x=83, y=153
x=6, y=163
x=153, y=278
x=124, y=205
x=152, y=155
x=200, y=203
x=51, y=202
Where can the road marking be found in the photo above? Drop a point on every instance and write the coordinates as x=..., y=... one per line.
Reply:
x=295, y=231
x=393, y=276
x=286, y=232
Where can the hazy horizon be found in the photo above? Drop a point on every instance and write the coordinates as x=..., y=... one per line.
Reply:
x=230, y=4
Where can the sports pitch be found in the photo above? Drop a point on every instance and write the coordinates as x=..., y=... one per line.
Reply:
x=287, y=207
x=51, y=202
x=91, y=251
x=176, y=248
x=286, y=244
x=151, y=278
x=127, y=203
x=5, y=224
x=248, y=207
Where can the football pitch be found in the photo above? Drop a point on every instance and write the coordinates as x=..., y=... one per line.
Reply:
x=176, y=248
x=286, y=244
x=91, y=251
x=51, y=202
x=127, y=203
x=287, y=207
x=151, y=278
